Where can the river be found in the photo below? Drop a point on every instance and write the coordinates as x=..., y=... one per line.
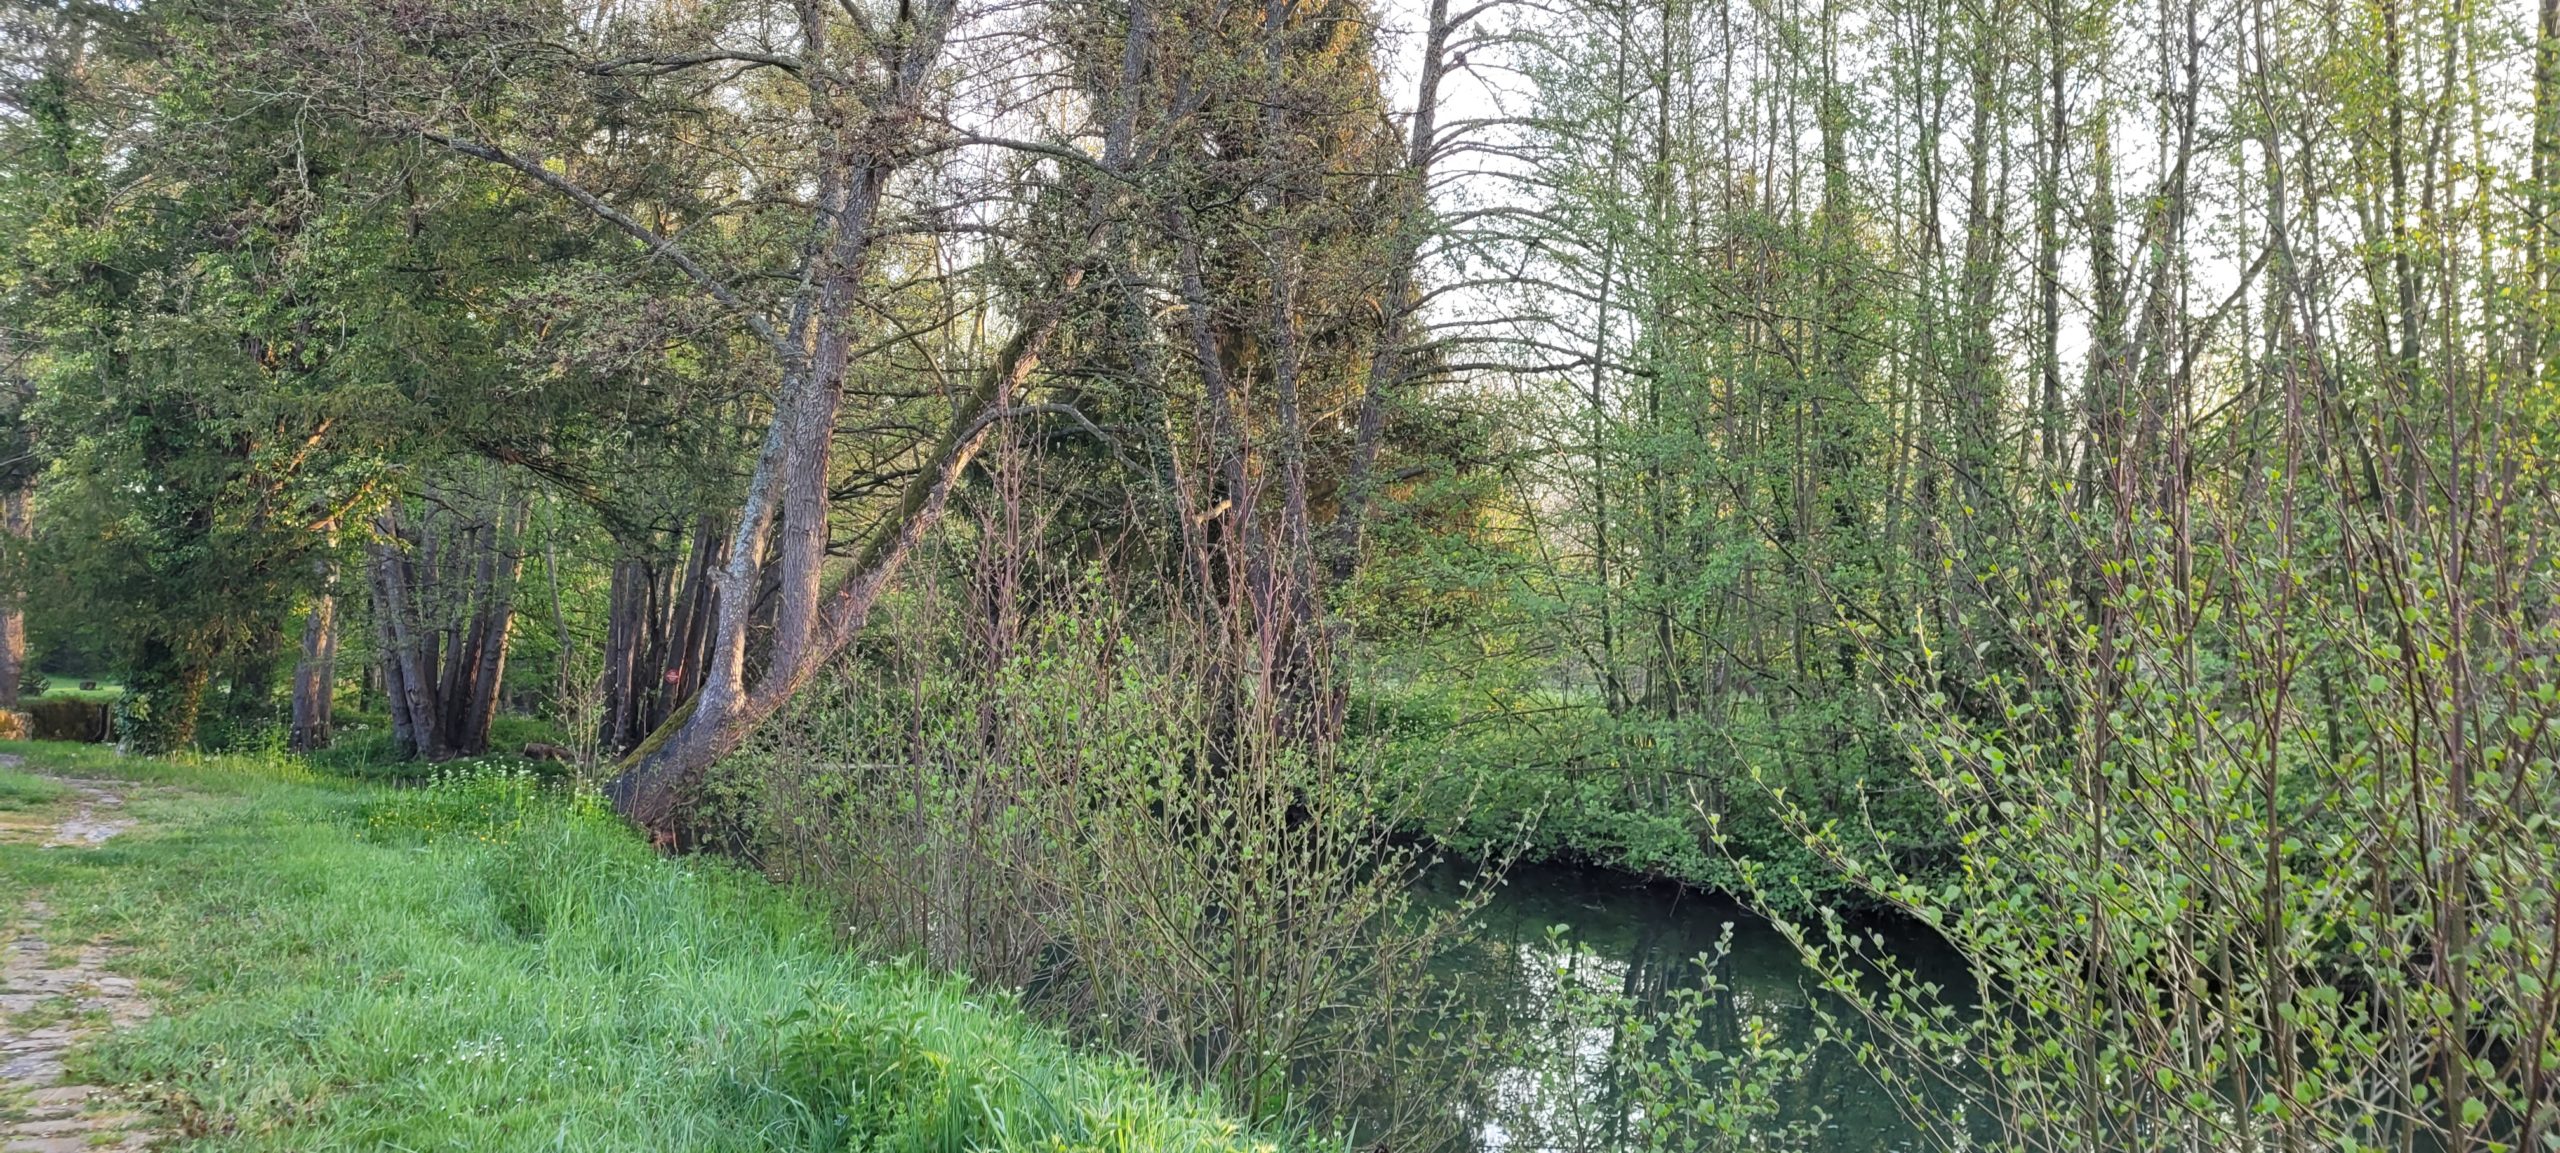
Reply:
x=1564, y=1090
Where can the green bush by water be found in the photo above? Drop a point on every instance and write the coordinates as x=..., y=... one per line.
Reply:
x=363, y=749
x=1642, y=795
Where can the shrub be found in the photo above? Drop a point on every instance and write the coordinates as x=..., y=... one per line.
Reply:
x=1081, y=819
x=2256, y=840
x=70, y=719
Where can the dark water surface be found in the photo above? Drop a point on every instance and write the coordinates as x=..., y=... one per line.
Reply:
x=1566, y=1089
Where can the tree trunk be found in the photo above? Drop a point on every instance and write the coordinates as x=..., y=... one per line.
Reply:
x=656, y=777
x=386, y=648
x=620, y=725
x=658, y=634
x=315, y=676
x=408, y=654
x=18, y=521
x=1390, y=359
x=2542, y=242
x=689, y=645
x=444, y=598
x=491, y=627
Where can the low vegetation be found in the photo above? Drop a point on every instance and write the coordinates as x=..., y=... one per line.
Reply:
x=485, y=964
x=20, y=790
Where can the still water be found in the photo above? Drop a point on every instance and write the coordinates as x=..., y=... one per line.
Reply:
x=1564, y=1090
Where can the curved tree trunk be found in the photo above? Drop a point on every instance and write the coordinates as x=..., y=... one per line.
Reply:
x=658, y=774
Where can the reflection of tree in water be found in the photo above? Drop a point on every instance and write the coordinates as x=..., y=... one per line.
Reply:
x=1552, y=1007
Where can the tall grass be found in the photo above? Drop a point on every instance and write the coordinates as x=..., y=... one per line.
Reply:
x=479, y=964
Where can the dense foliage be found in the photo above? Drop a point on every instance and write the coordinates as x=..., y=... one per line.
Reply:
x=1085, y=484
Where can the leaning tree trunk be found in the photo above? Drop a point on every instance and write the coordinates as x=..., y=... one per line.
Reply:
x=786, y=496
x=658, y=774
x=869, y=132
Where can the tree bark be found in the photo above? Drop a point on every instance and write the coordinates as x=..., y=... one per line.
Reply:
x=408, y=664
x=17, y=519
x=658, y=633
x=1390, y=359
x=657, y=775
x=864, y=148
x=444, y=605
x=315, y=676
x=620, y=723
x=491, y=627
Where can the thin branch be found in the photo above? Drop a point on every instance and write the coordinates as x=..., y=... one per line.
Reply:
x=657, y=245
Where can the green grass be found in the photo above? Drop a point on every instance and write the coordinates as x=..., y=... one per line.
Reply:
x=363, y=749
x=21, y=790
x=68, y=689
x=481, y=965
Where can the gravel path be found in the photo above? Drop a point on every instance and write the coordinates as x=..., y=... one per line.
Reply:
x=53, y=998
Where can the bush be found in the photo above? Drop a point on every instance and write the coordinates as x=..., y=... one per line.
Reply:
x=1679, y=799
x=70, y=719
x=1080, y=817
x=473, y=801
x=2256, y=840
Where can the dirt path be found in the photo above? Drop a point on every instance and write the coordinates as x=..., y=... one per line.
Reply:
x=101, y=816
x=52, y=999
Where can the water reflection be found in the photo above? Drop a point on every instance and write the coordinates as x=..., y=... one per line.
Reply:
x=1561, y=1084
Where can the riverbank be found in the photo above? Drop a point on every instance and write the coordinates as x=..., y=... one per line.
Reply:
x=1649, y=801
x=482, y=965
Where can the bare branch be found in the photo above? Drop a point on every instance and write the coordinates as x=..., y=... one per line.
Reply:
x=679, y=61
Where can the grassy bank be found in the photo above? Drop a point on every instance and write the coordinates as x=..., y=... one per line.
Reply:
x=480, y=965
x=1649, y=798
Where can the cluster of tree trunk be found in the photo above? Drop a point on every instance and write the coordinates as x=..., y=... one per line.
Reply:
x=444, y=604
x=658, y=636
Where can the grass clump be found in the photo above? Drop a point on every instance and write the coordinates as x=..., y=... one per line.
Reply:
x=20, y=791
x=485, y=964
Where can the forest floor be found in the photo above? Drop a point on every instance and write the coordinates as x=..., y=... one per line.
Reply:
x=243, y=954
